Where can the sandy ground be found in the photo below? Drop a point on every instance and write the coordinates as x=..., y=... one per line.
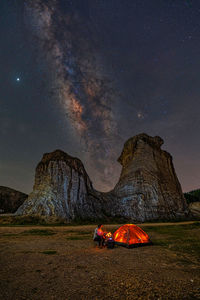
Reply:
x=77, y=269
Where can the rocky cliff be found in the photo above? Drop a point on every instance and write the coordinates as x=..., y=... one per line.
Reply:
x=148, y=188
x=62, y=188
x=10, y=199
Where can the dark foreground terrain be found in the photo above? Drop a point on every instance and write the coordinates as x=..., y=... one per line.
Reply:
x=63, y=263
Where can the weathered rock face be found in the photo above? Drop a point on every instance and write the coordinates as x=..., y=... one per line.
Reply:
x=148, y=188
x=10, y=199
x=62, y=188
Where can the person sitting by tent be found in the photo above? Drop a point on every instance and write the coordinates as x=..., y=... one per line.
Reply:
x=109, y=241
x=98, y=235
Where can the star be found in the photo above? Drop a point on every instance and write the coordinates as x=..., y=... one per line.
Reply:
x=140, y=115
x=17, y=79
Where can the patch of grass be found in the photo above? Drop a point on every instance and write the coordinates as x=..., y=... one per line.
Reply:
x=70, y=231
x=161, y=242
x=77, y=237
x=49, y=252
x=9, y=234
x=180, y=238
x=40, y=232
x=190, y=246
x=83, y=232
x=21, y=220
x=31, y=220
x=80, y=267
x=185, y=262
x=34, y=290
x=172, y=229
x=78, y=232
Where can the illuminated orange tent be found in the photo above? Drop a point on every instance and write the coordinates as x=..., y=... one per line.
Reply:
x=130, y=235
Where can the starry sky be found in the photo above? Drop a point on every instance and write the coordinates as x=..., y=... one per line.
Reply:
x=85, y=75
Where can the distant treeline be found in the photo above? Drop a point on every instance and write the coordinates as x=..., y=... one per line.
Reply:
x=192, y=196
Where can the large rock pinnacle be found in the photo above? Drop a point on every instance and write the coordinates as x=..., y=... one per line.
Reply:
x=62, y=188
x=148, y=188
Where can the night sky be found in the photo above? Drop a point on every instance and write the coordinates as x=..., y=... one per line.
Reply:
x=85, y=75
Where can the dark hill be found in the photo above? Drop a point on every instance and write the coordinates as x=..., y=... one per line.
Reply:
x=192, y=196
x=10, y=199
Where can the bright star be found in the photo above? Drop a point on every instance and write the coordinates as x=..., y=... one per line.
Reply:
x=140, y=115
x=18, y=79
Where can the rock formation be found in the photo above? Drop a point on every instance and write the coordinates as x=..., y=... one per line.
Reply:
x=10, y=199
x=62, y=188
x=148, y=188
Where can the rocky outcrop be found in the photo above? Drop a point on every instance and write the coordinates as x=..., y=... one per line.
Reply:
x=148, y=188
x=195, y=209
x=62, y=188
x=10, y=199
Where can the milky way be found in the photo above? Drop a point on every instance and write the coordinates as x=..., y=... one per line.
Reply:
x=79, y=82
x=83, y=76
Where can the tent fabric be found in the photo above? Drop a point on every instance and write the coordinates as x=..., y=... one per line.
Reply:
x=130, y=235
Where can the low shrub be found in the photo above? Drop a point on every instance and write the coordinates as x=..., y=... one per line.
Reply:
x=49, y=252
x=38, y=232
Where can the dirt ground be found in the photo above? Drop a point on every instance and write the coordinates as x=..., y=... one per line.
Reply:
x=64, y=263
